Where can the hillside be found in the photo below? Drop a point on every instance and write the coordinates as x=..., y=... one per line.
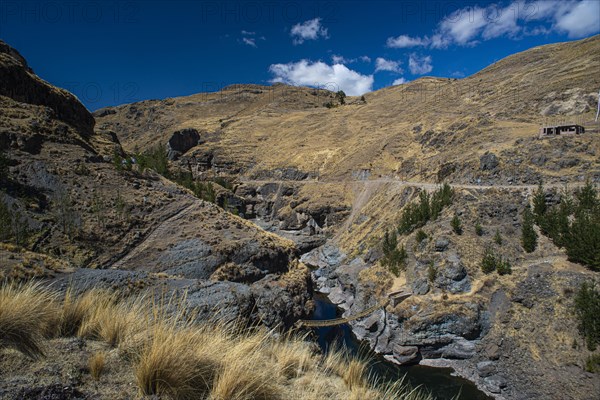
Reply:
x=429, y=129
x=292, y=192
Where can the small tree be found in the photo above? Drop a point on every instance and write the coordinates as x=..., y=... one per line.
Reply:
x=362, y=98
x=478, y=229
x=498, y=238
x=341, y=96
x=587, y=309
x=420, y=236
x=503, y=267
x=539, y=203
x=528, y=235
x=488, y=262
x=456, y=225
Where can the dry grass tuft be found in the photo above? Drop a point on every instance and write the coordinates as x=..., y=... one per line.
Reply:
x=355, y=373
x=27, y=315
x=96, y=364
x=173, y=363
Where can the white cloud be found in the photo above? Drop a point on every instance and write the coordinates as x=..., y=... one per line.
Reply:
x=399, y=81
x=419, y=65
x=318, y=74
x=249, y=41
x=581, y=20
x=247, y=33
x=470, y=25
x=366, y=59
x=403, y=41
x=381, y=64
x=308, y=30
x=341, y=59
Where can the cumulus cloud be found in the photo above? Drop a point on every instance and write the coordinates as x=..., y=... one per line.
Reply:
x=470, y=25
x=403, y=41
x=320, y=74
x=249, y=41
x=419, y=65
x=399, y=81
x=308, y=30
x=366, y=59
x=381, y=64
x=581, y=20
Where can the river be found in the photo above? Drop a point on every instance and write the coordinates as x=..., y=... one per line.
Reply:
x=438, y=381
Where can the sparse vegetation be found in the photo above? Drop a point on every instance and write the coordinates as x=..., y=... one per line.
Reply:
x=456, y=225
x=174, y=357
x=592, y=363
x=416, y=215
x=498, y=238
x=14, y=227
x=420, y=236
x=431, y=272
x=493, y=262
x=97, y=364
x=478, y=229
x=156, y=159
x=393, y=257
x=587, y=309
x=574, y=224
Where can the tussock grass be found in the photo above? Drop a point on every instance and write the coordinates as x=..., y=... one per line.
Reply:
x=28, y=314
x=97, y=364
x=174, y=357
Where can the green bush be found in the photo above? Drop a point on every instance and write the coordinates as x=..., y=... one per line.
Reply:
x=431, y=272
x=416, y=215
x=587, y=309
x=155, y=159
x=478, y=229
x=528, y=234
x=420, y=236
x=393, y=257
x=592, y=363
x=539, y=203
x=575, y=225
x=488, y=262
x=498, y=238
x=503, y=267
x=456, y=225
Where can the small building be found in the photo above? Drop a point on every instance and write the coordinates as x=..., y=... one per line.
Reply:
x=557, y=130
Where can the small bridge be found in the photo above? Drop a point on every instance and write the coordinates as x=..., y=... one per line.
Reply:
x=394, y=298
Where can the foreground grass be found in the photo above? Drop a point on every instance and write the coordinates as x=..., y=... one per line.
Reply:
x=174, y=357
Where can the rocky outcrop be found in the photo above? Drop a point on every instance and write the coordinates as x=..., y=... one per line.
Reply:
x=22, y=85
x=181, y=141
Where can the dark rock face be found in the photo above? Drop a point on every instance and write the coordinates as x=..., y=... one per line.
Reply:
x=22, y=85
x=488, y=162
x=405, y=354
x=182, y=141
x=453, y=276
x=442, y=244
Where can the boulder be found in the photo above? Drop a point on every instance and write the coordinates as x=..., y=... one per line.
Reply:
x=442, y=244
x=488, y=162
x=405, y=354
x=486, y=368
x=182, y=141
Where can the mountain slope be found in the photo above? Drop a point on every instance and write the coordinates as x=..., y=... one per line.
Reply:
x=428, y=129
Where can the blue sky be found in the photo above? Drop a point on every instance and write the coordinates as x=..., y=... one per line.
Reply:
x=115, y=52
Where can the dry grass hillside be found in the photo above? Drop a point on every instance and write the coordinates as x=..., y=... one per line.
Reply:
x=429, y=129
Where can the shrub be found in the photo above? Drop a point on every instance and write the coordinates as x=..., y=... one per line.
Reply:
x=156, y=159
x=587, y=310
x=528, y=234
x=503, y=267
x=592, y=363
x=456, y=225
x=478, y=229
x=431, y=272
x=393, y=257
x=539, y=203
x=498, y=238
x=420, y=236
x=488, y=262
